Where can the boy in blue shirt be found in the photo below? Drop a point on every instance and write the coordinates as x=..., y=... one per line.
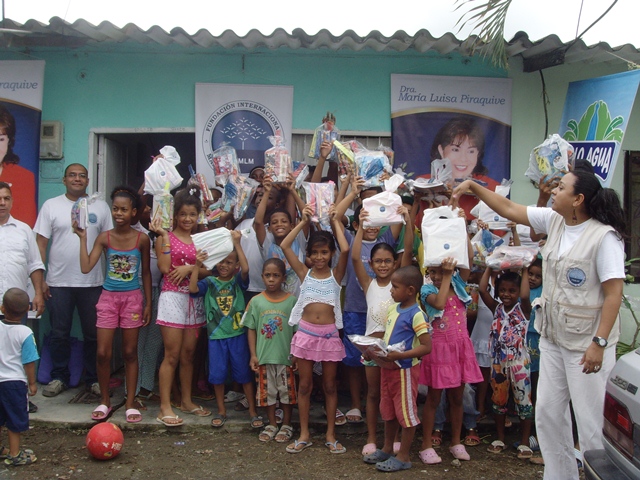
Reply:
x=18, y=354
x=223, y=306
x=406, y=323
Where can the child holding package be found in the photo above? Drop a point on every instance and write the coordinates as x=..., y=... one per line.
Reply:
x=228, y=347
x=269, y=335
x=406, y=323
x=18, y=355
x=510, y=368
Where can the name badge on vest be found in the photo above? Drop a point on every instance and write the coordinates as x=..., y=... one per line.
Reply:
x=576, y=277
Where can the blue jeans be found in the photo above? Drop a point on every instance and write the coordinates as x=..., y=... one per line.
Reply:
x=61, y=305
x=468, y=407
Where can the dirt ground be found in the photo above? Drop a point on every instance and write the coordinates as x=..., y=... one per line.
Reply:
x=204, y=454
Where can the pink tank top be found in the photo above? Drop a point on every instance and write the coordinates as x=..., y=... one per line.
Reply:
x=181, y=254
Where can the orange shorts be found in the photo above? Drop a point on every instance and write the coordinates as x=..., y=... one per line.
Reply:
x=398, y=395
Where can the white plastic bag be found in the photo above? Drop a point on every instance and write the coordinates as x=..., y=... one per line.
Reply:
x=80, y=210
x=444, y=234
x=506, y=258
x=383, y=210
x=488, y=216
x=551, y=158
x=217, y=243
x=158, y=174
x=374, y=348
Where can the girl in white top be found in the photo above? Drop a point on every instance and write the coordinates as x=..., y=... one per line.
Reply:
x=318, y=316
x=384, y=262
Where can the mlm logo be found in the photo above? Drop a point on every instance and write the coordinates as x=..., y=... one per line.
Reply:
x=246, y=126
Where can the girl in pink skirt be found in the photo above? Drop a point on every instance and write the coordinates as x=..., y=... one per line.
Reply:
x=318, y=317
x=452, y=361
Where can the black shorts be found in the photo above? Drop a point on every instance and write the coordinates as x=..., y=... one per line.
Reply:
x=14, y=406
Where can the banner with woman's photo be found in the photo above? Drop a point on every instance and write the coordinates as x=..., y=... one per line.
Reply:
x=464, y=119
x=21, y=87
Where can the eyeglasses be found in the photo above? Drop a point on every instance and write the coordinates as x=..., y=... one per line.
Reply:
x=79, y=175
x=383, y=261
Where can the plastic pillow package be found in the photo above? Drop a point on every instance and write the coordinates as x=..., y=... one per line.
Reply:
x=163, y=207
x=507, y=258
x=80, y=210
x=374, y=348
x=217, y=243
x=551, y=158
x=388, y=152
x=484, y=243
x=370, y=166
x=327, y=132
x=300, y=172
x=383, y=207
x=444, y=234
x=246, y=189
x=346, y=159
x=158, y=174
x=170, y=154
x=320, y=197
x=214, y=212
x=225, y=162
x=200, y=182
x=277, y=161
x=482, y=211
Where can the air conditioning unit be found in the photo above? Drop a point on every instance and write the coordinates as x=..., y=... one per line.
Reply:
x=51, y=139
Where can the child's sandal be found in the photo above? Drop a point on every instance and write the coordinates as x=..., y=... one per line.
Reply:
x=24, y=457
x=268, y=433
x=285, y=434
x=436, y=438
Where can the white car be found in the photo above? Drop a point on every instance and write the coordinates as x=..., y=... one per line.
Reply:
x=620, y=459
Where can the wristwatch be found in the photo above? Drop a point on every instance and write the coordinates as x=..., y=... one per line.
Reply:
x=600, y=341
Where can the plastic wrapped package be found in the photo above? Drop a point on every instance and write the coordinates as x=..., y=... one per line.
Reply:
x=217, y=243
x=375, y=348
x=277, y=161
x=482, y=211
x=444, y=234
x=551, y=158
x=159, y=173
x=198, y=181
x=370, y=166
x=388, y=152
x=214, y=212
x=170, y=154
x=442, y=171
x=238, y=193
x=80, y=210
x=327, y=132
x=320, y=197
x=484, y=243
x=299, y=173
x=507, y=258
x=225, y=162
x=163, y=208
x=346, y=159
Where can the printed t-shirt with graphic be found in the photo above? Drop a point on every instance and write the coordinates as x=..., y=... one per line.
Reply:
x=223, y=305
x=270, y=319
x=406, y=325
x=270, y=249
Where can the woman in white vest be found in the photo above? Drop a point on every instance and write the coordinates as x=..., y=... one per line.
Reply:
x=583, y=272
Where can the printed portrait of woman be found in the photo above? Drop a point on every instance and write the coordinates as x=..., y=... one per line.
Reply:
x=21, y=179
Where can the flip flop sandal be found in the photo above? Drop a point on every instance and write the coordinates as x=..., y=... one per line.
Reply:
x=392, y=464
x=24, y=457
x=242, y=405
x=333, y=447
x=199, y=411
x=257, y=422
x=285, y=434
x=163, y=420
x=340, y=418
x=296, y=443
x=354, y=413
x=218, y=420
x=537, y=460
x=104, y=410
x=268, y=433
x=436, y=438
x=472, y=439
x=430, y=457
x=204, y=396
x=376, y=457
x=459, y=452
x=368, y=449
x=133, y=412
x=496, y=446
x=524, y=452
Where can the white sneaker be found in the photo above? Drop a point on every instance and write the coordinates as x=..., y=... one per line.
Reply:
x=53, y=388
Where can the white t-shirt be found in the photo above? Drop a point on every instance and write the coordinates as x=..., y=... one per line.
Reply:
x=251, y=250
x=270, y=249
x=54, y=223
x=610, y=256
x=17, y=348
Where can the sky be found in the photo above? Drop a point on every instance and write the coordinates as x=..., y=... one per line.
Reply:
x=537, y=18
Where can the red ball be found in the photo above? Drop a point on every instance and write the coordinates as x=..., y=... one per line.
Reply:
x=104, y=441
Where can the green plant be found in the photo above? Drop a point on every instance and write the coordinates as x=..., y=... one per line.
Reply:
x=622, y=347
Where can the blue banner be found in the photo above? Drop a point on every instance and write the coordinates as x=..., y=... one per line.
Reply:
x=595, y=117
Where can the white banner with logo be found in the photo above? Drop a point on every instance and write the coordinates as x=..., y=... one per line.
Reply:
x=21, y=88
x=243, y=116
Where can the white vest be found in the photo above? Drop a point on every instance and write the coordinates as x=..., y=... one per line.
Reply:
x=572, y=295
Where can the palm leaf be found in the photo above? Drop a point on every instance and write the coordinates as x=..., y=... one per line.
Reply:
x=616, y=122
x=488, y=21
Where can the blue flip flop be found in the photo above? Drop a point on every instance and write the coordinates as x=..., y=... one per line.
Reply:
x=376, y=457
x=296, y=444
x=392, y=464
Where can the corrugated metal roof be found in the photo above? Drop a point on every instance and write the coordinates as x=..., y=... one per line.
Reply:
x=81, y=33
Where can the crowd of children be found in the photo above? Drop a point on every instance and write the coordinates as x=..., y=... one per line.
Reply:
x=272, y=339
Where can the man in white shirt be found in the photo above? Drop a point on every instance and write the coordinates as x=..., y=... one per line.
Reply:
x=66, y=287
x=20, y=256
